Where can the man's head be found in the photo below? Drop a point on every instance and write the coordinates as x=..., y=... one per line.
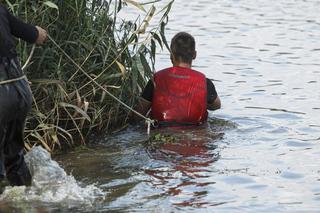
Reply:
x=183, y=48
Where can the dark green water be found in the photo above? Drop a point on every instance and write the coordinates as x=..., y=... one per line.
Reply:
x=259, y=153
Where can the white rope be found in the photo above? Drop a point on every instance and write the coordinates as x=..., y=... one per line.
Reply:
x=148, y=127
x=148, y=120
x=13, y=80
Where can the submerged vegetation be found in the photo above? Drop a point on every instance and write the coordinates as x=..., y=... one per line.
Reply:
x=109, y=52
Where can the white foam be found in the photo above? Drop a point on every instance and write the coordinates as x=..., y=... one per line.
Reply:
x=50, y=183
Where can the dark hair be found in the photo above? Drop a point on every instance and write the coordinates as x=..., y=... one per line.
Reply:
x=183, y=47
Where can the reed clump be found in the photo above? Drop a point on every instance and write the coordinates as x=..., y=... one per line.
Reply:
x=116, y=54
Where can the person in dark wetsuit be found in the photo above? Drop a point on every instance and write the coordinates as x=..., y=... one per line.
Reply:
x=15, y=97
x=179, y=95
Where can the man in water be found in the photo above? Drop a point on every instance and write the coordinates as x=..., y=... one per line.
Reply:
x=179, y=95
x=15, y=97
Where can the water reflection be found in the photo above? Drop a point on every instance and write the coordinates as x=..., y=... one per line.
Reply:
x=190, y=156
x=264, y=57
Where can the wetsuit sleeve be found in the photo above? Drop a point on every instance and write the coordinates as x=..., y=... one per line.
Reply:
x=211, y=92
x=22, y=30
x=147, y=93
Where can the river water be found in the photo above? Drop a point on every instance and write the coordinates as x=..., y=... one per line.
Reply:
x=259, y=153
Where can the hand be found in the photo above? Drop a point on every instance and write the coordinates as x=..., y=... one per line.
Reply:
x=42, y=35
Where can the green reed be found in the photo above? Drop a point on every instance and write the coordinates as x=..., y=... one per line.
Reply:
x=118, y=54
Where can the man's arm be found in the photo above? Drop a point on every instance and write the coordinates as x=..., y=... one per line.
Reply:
x=145, y=101
x=216, y=104
x=27, y=32
x=142, y=107
x=213, y=100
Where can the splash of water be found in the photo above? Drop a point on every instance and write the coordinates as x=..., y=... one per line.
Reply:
x=50, y=183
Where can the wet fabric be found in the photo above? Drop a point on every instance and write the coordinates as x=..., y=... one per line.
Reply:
x=15, y=103
x=179, y=97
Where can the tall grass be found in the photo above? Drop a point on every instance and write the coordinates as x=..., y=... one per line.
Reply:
x=118, y=54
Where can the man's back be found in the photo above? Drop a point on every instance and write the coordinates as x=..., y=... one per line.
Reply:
x=179, y=96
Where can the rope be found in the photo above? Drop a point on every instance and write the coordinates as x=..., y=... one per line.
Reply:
x=148, y=120
x=13, y=80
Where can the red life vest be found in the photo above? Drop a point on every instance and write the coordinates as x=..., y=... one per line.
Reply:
x=179, y=96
